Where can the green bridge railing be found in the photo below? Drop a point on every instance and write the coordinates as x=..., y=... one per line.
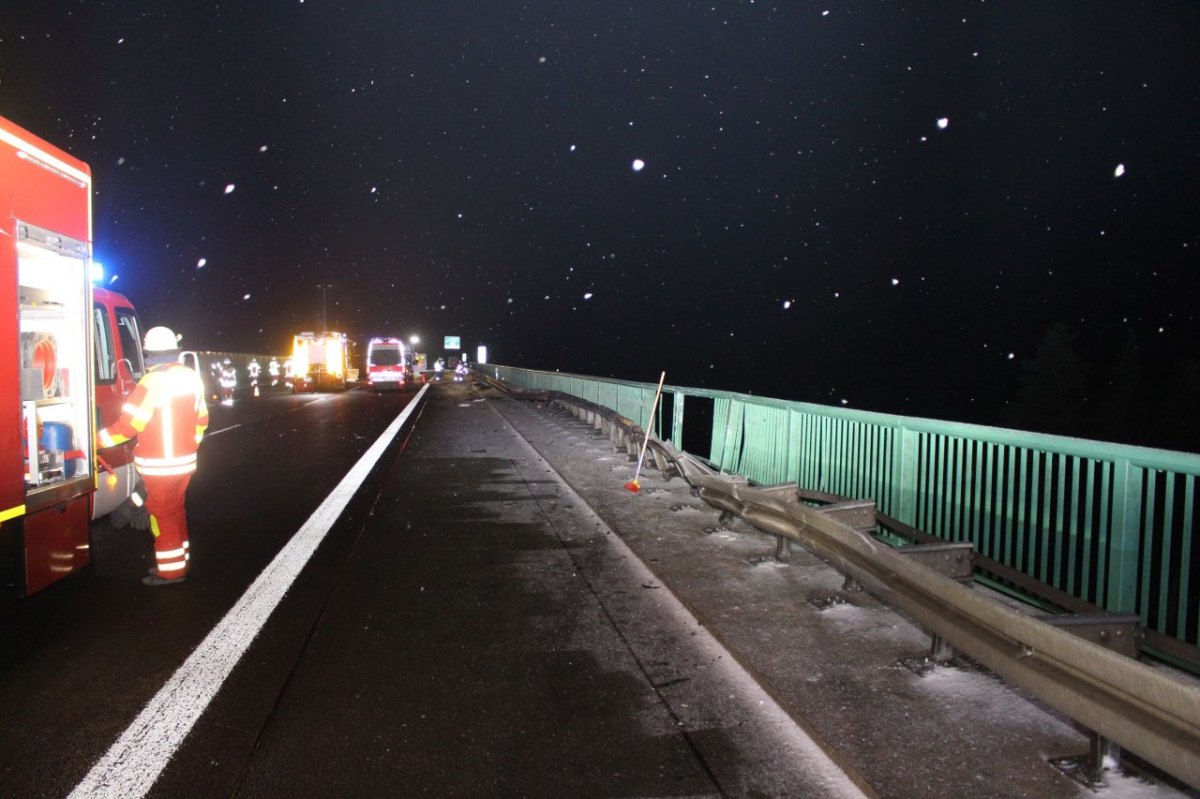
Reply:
x=1112, y=524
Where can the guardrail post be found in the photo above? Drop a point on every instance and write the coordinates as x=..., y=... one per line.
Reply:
x=1124, y=542
x=677, y=421
x=904, y=476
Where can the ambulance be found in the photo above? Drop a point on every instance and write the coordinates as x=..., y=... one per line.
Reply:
x=387, y=363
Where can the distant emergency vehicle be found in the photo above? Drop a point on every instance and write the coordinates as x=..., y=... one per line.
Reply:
x=319, y=362
x=387, y=363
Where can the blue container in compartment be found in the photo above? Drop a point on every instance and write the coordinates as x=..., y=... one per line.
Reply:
x=58, y=437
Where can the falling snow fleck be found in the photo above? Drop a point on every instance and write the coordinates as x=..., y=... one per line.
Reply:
x=1119, y=171
x=587, y=296
x=229, y=188
x=895, y=281
x=200, y=264
x=245, y=296
x=824, y=13
x=787, y=304
x=1012, y=355
x=373, y=189
x=572, y=148
x=943, y=123
x=638, y=165
x=542, y=59
x=262, y=149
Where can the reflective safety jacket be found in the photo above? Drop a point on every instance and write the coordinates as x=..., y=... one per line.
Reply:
x=167, y=413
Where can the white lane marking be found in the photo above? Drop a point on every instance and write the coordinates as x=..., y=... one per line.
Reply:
x=222, y=430
x=135, y=760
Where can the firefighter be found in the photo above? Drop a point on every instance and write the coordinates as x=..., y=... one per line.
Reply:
x=228, y=382
x=254, y=369
x=167, y=413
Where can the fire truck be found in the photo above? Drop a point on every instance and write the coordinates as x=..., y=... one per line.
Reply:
x=47, y=405
x=319, y=362
x=387, y=364
x=117, y=366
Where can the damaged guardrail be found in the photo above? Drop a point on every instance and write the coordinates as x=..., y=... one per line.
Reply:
x=1086, y=670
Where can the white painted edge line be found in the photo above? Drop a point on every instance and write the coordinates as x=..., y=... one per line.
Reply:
x=223, y=430
x=135, y=761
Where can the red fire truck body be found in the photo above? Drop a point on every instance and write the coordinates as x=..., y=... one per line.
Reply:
x=47, y=404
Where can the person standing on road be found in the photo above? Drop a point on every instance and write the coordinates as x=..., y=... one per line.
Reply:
x=167, y=413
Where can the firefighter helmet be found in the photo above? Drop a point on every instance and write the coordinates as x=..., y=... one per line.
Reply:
x=161, y=339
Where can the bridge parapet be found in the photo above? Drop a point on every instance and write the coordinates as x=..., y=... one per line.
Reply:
x=1068, y=664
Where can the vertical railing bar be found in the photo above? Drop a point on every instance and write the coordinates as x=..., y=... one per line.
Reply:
x=1102, y=533
x=677, y=420
x=1036, y=502
x=1089, y=542
x=1009, y=503
x=1167, y=534
x=939, y=508
x=883, y=464
x=1146, y=538
x=981, y=448
x=985, y=543
x=924, y=465
x=860, y=460
x=957, y=504
x=1185, y=558
x=1073, y=538
x=840, y=457
x=970, y=448
x=847, y=459
x=827, y=444
x=1060, y=528
x=1021, y=514
x=1047, y=531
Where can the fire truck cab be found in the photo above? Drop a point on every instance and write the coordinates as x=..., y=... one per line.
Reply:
x=118, y=366
x=47, y=406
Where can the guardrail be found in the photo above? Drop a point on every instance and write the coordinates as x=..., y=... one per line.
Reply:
x=1113, y=525
x=1143, y=709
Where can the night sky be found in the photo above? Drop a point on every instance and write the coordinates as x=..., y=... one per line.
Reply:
x=882, y=205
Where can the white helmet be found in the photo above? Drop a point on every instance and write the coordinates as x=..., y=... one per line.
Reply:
x=161, y=339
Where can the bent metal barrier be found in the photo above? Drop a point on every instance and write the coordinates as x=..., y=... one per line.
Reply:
x=1114, y=525
x=1141, y=708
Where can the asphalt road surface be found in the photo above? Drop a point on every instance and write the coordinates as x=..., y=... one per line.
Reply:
x=465, y=627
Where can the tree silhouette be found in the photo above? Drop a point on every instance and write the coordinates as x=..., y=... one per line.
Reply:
x=1053, y=393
